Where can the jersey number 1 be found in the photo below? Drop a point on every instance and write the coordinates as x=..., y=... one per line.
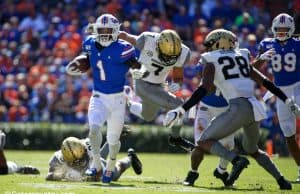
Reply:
x=102, y=73
x=229, y=63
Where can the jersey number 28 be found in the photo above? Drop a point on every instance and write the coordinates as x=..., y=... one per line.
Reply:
x=229, y=63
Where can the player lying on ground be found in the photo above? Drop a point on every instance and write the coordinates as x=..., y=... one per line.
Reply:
x=9, y=167
x=228, y=68
x=74, y=157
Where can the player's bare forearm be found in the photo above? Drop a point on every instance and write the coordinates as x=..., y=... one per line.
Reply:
x=133, y=63
x=258, y=63
x=128, y=37
x=178, y=74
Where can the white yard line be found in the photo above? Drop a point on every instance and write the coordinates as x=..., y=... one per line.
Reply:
x=69, y=186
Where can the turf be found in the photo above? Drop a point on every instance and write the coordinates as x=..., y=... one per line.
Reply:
x=162, y=173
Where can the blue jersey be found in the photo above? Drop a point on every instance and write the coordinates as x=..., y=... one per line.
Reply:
x=107, y=63
x=285, y=63
x=213, y=99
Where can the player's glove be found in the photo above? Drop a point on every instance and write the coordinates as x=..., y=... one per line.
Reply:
x=2, y=140
x=139, y=73
x=174, y=87
x=267, y=56
x=173, y=116
x=293, y=107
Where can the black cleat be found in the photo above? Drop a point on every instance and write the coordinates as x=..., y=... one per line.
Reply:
x=28, y=170
x=190, y=178
x=221, y=176
x=125, y=131
x=284, y=184
x=182, y=143
x=237, y=169
x=135, y=161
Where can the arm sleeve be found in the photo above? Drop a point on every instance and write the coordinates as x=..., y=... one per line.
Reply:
x=140, y=41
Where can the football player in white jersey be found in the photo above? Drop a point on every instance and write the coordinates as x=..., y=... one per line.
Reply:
x=285, y=65
x=10, y=167
x=160, y=53
x=228, y=68
x=75, y=156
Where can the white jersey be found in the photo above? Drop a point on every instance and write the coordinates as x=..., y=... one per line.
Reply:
x=62, y=170
x=146, y=43
x=232, y=69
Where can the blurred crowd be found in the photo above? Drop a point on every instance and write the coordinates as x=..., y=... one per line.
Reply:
x=38, y=38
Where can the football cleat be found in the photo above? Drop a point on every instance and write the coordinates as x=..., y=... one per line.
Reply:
x=107, y=176
x=223, y=177
x=237, y=169
x=125, y=131
x=284, y=184
x=298, y=179
x=181, y=142
x=190, y=178
x=28, y=170
x=135, y=162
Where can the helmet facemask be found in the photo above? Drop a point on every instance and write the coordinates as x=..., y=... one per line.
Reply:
x=106, y=29
x=169, y=47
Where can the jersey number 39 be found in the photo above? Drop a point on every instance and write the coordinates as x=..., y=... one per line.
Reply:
x=229, y=63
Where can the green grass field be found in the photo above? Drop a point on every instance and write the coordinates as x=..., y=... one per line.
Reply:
x=162, y=173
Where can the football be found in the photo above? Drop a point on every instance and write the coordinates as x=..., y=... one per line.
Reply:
x=78, y=65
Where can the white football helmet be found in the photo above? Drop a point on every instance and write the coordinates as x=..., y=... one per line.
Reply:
x=106, y=29
x=283, y=27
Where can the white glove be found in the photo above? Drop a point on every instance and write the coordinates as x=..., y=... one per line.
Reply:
x=267, y=56
x=138, y=73
x=174, y=87
x=2, y=140
x=173, y=116
x=293, y=107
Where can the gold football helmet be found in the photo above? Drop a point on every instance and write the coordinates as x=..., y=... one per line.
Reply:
x=73, y=151
x=169, y=47
x=220, y=39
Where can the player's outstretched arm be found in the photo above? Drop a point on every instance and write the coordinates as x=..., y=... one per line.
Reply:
x=205, y=87
x=128, y=37
x=263, y=57
x=261, y=79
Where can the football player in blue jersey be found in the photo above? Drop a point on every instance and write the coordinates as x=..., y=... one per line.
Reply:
x=208, y=108
x=285, y=64
x=110, y=59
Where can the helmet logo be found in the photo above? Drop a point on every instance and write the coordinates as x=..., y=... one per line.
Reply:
x=282, y=19
x=104, y=20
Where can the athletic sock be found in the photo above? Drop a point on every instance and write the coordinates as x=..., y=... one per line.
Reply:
x=221, y=151
x=264, y=161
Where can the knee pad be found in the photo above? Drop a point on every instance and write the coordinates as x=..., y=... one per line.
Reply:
x=112, y=138
x=94, y=129
x=288, y=127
